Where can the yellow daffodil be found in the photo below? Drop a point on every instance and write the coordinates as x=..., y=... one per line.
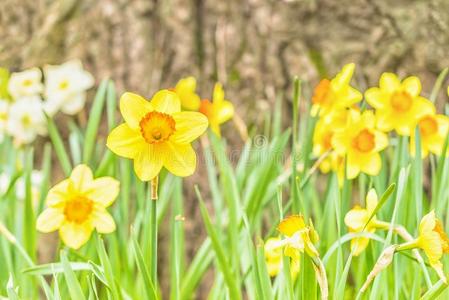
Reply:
x=218, y=111
x=299, y=236
x=77, y=206
x=398, y=104
x=156, y=133
x=357, y=221
x=336, y=93
x=274, y=261
x=432, y=240
x=360, y=142
x=322, y=137
x=433, y=132
x=185, y=88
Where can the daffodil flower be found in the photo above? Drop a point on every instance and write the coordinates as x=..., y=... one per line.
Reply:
x=358, y=220
x=322, y=138
x=335, y=94
x=274, y=261
x=218, y=111
x=432, y=240
x=77, y=206
x=360, y=142
x=26, y=120
x=185, y=88
x=157, y=134
x=26, y=83
x=398, y=104
x=433, y=132
x=66, y=86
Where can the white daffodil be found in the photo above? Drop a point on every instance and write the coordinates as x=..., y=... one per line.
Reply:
x=26, y=120
x=25, y=83
x=4, y=111
x=65, y=87
x=36, y=181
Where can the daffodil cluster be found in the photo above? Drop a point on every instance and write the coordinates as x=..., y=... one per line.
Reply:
x=348, y=135
x=26, y=96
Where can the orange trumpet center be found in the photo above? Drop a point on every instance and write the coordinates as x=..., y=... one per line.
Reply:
x=78, y=209
x=401, y=101
x=321, y=94
x=157, y=127
x=428, y=126
x=364, y=141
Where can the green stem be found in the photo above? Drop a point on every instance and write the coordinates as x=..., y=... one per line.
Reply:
x=407, y=246
x=153, y=230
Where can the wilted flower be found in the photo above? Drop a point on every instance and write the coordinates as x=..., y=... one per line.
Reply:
x=26, y=83
x=274, y=258
x=157, y=134
x=66, y=86
x=26, y=120
x=433, y=132
x=335, y=94
x=360, y=142
x=218, y=111
x=77, y=206
x=398, y=104
x=185, y=88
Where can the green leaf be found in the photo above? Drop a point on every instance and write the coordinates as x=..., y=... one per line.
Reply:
x=150, y=291
x=223, y=263
x=72, y=283
x=94, y=121
x=60, y=150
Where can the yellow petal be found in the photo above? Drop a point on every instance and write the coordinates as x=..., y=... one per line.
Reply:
x=389, y=82
x=427, y=223
x=218, y=95
x=358, y=245
x=371, y=164
x=412, y=86
x=225, y=112
x=50, y=220
x=189, y=126
x=291, y=224
x=58, y=194
x=166, y=101
x=75, y=235
x=179, y=159
x=133, y=108
x=185, y=88
x=432, y=246
x=356, y=218
x=352, y=168
x=344, y=76
x=371, y=200
x=103, y=191
x=125, y=141
x=381, y=140
x=81, y=177
x=103, y=221
x=148, y=162
x=421, y=108
x=375, y=97
x=352, y=96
